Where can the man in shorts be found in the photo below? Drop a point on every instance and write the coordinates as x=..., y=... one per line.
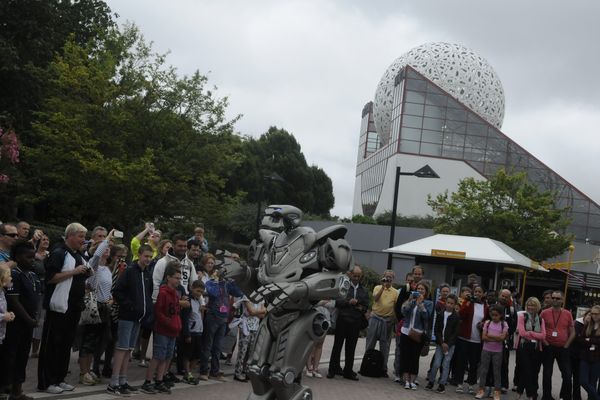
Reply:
x=133, y=294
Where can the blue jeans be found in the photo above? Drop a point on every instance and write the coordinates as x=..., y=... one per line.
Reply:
x=589, y=372
x=212, y=338
x=439, y=359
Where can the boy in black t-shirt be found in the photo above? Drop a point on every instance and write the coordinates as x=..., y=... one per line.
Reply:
x=22, y=298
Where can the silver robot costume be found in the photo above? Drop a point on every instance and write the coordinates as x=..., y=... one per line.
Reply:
x=291, y=268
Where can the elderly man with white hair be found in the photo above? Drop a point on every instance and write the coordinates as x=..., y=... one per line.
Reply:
x=66, y=273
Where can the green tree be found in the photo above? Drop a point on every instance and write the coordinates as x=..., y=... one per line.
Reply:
x=415, y=221
x=505, y=208
x=32, y=33
x=120, y=137
x=278, y=152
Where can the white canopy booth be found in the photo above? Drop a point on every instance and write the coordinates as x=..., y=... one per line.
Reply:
x=469, y=248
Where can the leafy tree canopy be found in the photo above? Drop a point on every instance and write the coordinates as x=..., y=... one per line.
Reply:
x=274, y=170
x=506, y=208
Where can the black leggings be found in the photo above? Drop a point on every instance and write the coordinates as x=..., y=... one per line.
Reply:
x=466, y=352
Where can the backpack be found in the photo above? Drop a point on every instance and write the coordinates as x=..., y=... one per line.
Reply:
x=372, y=364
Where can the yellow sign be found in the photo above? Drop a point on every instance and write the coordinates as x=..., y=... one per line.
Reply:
x=448, y=254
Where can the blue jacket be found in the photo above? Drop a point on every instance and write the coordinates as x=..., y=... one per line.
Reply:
x=218, y=296
x=424, y=313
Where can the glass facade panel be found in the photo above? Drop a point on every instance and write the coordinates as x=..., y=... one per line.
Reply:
x=411, y=133
x=578, y=218
x=452, y=151
x=411, y=121
x=407, y=146
x=456, y=115
x=416, y=84
x=477, y=129
x=456, y=126
x=435, y=112
x=431, y=136
x=431, y=149
x=436, y=100
x=415, y=97
x=413, y=109
x=433, y=124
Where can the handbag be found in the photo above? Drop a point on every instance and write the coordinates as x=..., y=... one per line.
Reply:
x=415, y=336
x=90, y=314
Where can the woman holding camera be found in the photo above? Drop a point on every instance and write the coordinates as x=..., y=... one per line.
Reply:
x=473, y=312
x=417, y=311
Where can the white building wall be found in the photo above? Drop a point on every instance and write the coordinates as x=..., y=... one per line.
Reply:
x=357, y=203
x=413, y=191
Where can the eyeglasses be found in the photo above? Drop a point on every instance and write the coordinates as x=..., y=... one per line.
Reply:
x=556, y=298
x=12, y=235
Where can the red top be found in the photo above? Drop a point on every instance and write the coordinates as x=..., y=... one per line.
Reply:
x=467, y=309
x=166, y=312
x=558, y=325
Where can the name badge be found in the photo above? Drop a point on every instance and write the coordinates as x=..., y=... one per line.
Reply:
x=224, y=309
x=533, y=341
x=554, y=334
x=592, y=347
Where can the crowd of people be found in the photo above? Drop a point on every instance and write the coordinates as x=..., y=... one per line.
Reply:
x=474, y=334
x=107, y=301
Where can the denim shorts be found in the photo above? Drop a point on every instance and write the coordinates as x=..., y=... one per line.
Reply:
x=127, y=334
x=163, y=347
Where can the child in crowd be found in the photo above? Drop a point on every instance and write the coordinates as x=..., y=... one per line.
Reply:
x=22, y=298
x=446, y=331
x=193, y=329
x=493, y=335
x=5, y=315
x=167, y=326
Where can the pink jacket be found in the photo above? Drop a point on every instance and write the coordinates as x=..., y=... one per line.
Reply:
x=529, y=335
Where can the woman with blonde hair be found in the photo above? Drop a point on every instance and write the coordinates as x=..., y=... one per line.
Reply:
x=589, y=344
x=528, y=344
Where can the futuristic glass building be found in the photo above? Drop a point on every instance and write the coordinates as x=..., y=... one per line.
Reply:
x=442, y=105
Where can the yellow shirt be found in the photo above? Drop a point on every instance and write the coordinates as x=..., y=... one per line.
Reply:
x=135, y=247
x=384, y=307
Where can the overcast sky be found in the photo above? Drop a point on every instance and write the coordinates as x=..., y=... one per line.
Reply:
x=310, y=66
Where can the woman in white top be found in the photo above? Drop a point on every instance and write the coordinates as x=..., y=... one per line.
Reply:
x=248, y=329
x=93, y=336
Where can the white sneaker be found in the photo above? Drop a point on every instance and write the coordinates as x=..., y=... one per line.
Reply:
x=87, y=379
x=66, y=387
x=310, y=374
x=316, y=374
x=407, y=385
x=53, y=389
x=413, y=386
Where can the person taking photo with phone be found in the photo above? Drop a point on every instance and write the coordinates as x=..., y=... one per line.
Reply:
x=381, y=320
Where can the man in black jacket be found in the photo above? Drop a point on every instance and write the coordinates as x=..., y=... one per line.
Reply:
x=351, y=315
x=133, y=294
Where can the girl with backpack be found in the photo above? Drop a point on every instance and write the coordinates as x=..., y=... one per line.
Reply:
x=493, y=335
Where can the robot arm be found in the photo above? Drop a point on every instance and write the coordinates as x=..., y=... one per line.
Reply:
x=316, y=287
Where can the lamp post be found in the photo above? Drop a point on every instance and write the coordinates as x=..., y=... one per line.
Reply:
x=424, y=172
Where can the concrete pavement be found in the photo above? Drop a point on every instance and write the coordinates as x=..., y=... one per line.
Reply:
x=338, y=388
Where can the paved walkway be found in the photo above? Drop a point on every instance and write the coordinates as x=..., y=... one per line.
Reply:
x=338, y=388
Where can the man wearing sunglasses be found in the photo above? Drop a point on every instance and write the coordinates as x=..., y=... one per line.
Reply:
x=560, y=332
x=8, y=236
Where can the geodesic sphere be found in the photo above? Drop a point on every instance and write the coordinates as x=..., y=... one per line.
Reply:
x=458, y=70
